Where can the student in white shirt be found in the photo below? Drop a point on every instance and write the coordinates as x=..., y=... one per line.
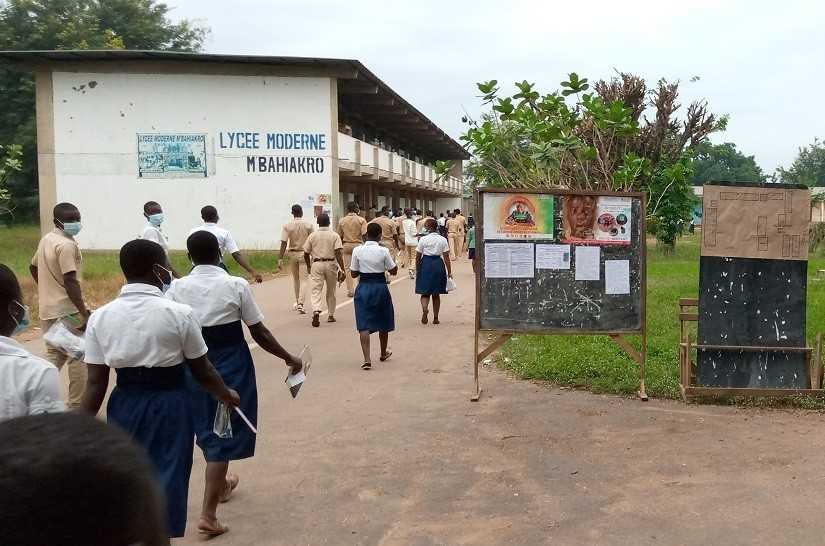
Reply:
x=374, y=311
x=408, y=225
x=432, y=270
x=221, y=303
x=210, y=217
x=152, y=231
x=28, y=385
x=151, y=342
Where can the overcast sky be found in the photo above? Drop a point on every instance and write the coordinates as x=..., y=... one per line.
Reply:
x=761, y=62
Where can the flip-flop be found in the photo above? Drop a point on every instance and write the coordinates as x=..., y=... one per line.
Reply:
x=386, y=356
x=232, y=481
x=211, y=529
x=366, y=366
x=424, y=318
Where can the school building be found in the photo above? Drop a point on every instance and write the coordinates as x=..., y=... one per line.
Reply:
x=251, y=135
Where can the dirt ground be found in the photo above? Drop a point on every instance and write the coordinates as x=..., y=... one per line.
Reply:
x=399, y=456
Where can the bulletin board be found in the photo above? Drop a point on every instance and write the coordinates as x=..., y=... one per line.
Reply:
x=560, y=263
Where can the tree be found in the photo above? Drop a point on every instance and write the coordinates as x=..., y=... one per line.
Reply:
x=71, y=24
x=808, y=168
x=723, y=162
x=597, y=139
x=9, y=163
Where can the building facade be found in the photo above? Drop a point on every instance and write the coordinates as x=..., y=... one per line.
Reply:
x=250, y=135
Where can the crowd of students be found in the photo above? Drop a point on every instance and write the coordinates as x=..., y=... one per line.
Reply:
x=177, y=343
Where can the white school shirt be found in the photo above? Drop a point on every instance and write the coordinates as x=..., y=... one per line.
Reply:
x=410, y=232
x=154, y=234
x=216, y=297
x=433, y=244
x=442, y=221
x=225, y=240
x=28, y=385
x=141, y=328
x=371, y=258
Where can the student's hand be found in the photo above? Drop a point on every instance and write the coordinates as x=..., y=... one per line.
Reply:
x=295, y=364
x=341, y=276
x=231, y=398
x=257, y=277
x=309, y=270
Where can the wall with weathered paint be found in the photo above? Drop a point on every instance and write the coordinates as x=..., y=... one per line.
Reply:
x=97, y=120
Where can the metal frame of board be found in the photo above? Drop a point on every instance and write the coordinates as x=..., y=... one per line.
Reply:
x=501, y=336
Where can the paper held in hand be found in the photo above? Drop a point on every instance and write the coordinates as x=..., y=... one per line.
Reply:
x=295, y=381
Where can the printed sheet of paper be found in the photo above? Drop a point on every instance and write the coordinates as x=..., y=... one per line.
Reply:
x=587, y=263
x=552, y=256
x=755, y=222
x=617, y=277
x=509, y=260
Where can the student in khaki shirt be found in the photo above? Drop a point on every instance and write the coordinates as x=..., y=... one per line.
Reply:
x=351, y=229
x=323, y=248
x=293, y=236
x=454, y=236
x=399, y=230
x=389, y=233
x=55, y=268
x=463, y=221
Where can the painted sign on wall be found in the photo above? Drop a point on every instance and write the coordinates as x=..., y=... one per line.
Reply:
x=258, y=143
x=176, y=155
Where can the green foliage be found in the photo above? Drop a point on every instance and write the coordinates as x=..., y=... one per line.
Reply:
x=808, y=168
x=723, y=162
x=71, y=24
x=671, y=201
x=9, y=163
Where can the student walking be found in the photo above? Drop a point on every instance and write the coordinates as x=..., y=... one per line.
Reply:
x=151, y=341
x=454, y=236
x=351, y=229
x=209, y=215
x=374, y=311
x=410, y=233
x=471, y=242
x=152, y=231
x=28, y=385
x=433, y=267
x=221, y=303
x=322, y=250
x=389, y=233
x=293, y=236
x=462, y=221
x=55, y=268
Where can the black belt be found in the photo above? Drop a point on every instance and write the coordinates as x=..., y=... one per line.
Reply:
x=166, y=378
x=323, y=259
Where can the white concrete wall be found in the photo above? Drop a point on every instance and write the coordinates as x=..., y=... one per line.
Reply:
x=443, y=204
x=96, y=127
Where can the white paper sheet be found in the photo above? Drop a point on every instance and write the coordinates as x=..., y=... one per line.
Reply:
x=587, y=263
x=617, y=277
x=552, y=256
x=509, y=260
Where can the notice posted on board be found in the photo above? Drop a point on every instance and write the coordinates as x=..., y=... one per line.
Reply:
x=509, y=260
x=617, y=277
x=552, y=256
x=587, y=263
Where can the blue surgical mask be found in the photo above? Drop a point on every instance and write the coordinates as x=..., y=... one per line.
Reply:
x=71, y=228
x=156, y=219
x=23, y=322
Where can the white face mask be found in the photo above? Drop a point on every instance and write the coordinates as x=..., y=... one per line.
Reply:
x=164, y=285
x=23, y=322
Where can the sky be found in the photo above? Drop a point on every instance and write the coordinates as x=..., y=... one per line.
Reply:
x=760, y=62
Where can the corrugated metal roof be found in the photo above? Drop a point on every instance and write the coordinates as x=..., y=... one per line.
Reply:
x=434, y=140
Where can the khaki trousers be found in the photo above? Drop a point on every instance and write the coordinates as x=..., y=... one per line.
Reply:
x=348, y=248
x=297, y=268
x=323, y=273
x=410, y=252
x=455, y=244
x=390, y=245
x=76, y=369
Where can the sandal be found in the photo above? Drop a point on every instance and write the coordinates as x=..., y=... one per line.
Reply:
x=386, y=356
x=366, y=366
x=232, y=481
x=212, y=528
x=424, y=318
x=436, y=321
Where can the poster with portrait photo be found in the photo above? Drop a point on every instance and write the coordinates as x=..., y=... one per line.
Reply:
x=596, y=219
x=518, y=216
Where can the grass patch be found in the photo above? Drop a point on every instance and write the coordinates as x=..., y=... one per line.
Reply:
x=596, y=363
x=101, y=275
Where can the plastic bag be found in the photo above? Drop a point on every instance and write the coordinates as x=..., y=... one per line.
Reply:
x=66, y=340
x=294, y=382
x=222, y=426
x=451, y=286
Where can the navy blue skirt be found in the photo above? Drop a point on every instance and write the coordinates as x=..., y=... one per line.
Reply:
x=374, y=311
x=431, y=277
x=230, y=355
x=152, y=405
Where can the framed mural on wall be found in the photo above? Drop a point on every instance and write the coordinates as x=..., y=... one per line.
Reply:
x=171, y=155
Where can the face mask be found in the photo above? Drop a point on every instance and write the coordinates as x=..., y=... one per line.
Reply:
x=156, y=219
x=164, y=285
x=23, y=322
x=71, y=228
